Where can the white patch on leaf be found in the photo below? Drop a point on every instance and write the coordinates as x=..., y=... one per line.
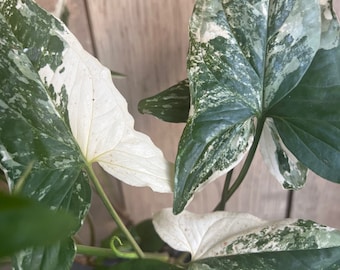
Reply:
x=212, y=31
x=100, y=122
x=330, y=29
x=223, y=233
x=281, y=162
x=201, y=234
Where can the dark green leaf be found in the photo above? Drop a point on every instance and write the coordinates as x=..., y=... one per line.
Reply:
x=313, y=259
x=171, y=105
x=149, y=240
x=141, y=264
x=308, y=119
x=244, y=56
x=24, y=223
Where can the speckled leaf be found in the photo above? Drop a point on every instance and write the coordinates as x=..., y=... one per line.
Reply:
x=224, y=233
x=171, y=105
x=313, y=259
x=244, y=56
x=31, y=130
x=60, y=110
x=308, y=119
x=290, y=172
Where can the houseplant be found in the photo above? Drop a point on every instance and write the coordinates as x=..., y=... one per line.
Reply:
x=55, y=96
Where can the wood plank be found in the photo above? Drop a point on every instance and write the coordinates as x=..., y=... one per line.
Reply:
x=319, y=201
x=147, y=40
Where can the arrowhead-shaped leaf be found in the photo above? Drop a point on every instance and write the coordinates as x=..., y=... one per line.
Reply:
x=221, y=234
x=244, y=57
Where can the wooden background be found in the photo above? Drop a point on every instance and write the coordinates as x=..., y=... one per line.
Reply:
x=147, y=40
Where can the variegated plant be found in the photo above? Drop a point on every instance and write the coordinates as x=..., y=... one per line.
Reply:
x=60, y=113
x=257, y=70
x=223, y=240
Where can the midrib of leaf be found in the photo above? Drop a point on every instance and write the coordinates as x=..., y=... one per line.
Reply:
x=264, y=63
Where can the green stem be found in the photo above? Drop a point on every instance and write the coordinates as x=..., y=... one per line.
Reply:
x=247, y=162
x=220, y=206
x=113, y=212
x=109, y=253
x=95, y=251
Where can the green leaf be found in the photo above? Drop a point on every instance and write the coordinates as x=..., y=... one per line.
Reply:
x=244, y=57
x=19, y=228
x=308, y=119
x=313, y=259
x=149, y=240
x=224, y=233
x=31, y=130
x=171, y=105
x=142, y=264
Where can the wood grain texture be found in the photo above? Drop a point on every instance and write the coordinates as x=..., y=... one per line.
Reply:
x=147, y=40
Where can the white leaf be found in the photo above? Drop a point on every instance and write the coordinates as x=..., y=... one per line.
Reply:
x=201, y=234
x=223, y=233
x=100, y=121
x=290, y=172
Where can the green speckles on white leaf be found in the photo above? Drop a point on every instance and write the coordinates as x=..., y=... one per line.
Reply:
x=290, y=172
x=224, y=233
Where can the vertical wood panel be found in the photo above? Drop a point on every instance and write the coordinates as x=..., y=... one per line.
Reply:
x=147, y=40
x=318, y=200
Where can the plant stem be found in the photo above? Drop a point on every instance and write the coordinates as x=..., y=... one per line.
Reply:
x=95, y=251
x=108, y=253
x=246, y=164
x=113, y=212
x=220, y=206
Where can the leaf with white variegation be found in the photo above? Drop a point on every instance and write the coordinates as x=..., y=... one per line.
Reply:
x=290, y=172
x=171, y=105
x=221, y=234
x=244, y=57
x=60, y=110
x=312, y=259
